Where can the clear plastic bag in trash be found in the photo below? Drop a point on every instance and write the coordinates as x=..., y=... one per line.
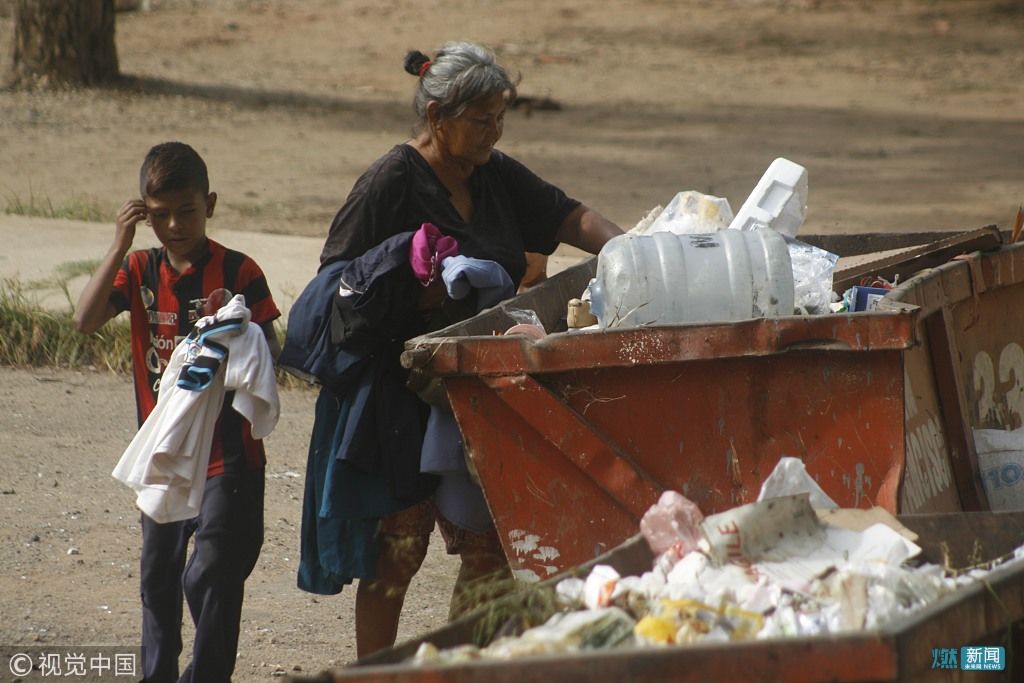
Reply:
x=812, y=277
x=673, y=521
x=525, y=316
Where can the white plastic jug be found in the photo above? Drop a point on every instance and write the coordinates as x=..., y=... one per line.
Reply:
x=779, y=200
x=670, y=278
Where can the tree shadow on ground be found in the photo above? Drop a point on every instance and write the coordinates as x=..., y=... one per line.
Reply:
x=376, y=111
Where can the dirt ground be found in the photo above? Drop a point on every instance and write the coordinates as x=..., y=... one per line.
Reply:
x=908, y=114
x=70, y=534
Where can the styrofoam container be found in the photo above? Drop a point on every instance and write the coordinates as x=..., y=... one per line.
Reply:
x=669, y=278
x=779, y=200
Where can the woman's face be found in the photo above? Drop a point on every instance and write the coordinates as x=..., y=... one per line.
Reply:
x=470, y=136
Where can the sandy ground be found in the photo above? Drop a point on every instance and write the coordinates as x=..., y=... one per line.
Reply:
x=908, y=114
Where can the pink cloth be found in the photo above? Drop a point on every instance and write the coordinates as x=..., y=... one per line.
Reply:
x=428, y=248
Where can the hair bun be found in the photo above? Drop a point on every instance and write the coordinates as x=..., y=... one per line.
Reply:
x=414, y=61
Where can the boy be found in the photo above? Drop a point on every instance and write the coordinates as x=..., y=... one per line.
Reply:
x=166, y=290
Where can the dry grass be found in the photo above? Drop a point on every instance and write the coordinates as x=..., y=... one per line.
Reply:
x=38, y=336
x=78, y=207
x=35, y=336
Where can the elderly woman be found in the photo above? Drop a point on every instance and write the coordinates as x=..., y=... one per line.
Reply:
x=449, y=175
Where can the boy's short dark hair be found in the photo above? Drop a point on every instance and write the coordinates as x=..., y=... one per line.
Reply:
x=173, y=166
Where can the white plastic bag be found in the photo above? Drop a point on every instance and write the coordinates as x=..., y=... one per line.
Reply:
x=790, y=478
x=692, y=213
x=1001, y=461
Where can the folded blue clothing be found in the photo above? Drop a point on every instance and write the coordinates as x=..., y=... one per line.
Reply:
x=458, y=498
x=461, y=501
x=462, y=274
x=442, y=444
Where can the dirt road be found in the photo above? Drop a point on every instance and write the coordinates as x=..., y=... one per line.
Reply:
x=70, y=533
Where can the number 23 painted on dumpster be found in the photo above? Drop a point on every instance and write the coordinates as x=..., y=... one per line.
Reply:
x=1011, y=362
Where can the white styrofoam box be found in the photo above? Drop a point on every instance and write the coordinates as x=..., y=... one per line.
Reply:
x=779, y=200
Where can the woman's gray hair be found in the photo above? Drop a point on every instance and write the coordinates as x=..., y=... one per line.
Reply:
x=460, y=74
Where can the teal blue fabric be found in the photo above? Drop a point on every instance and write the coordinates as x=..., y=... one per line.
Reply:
x=340, y=509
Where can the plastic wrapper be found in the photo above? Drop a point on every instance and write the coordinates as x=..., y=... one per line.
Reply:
x=644, y=223
x=689, y=621
x=593, y=629
x=672, y=522
x=683, y=581
x=812, y=277
x=692, y=213
x=570, y=592
x=523, y=316
x=599, y=586
x=789, y=478
x=427, y=653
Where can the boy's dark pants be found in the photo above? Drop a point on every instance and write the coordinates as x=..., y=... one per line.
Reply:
x=228, y=536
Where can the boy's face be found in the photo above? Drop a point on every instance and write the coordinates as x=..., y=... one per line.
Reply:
x=179, y=218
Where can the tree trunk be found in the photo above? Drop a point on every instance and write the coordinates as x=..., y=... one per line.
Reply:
x=63, y=43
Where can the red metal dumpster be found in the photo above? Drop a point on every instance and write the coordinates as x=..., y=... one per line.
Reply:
x=987, y=613
x=967, y=372
x=575, y=436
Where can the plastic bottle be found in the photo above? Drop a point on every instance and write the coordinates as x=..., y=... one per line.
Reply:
x=667, y=278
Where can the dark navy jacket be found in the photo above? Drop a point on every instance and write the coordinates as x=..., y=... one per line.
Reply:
x=364, y=453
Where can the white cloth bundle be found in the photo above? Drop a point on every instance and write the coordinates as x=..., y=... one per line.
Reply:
x=167, y=460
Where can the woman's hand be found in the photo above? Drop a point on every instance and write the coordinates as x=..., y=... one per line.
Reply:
x=432, y=296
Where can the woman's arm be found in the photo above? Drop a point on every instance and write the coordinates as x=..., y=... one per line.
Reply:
x=587, y=229
x=536, y=271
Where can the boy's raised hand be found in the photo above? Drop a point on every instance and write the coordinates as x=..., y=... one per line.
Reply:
x=128, y=216
x=94, y=307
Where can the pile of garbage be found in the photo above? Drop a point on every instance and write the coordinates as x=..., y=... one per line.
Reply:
x=789, y=565
x=694, y=261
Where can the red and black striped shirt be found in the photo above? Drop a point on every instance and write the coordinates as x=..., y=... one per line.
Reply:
x=164, y=306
